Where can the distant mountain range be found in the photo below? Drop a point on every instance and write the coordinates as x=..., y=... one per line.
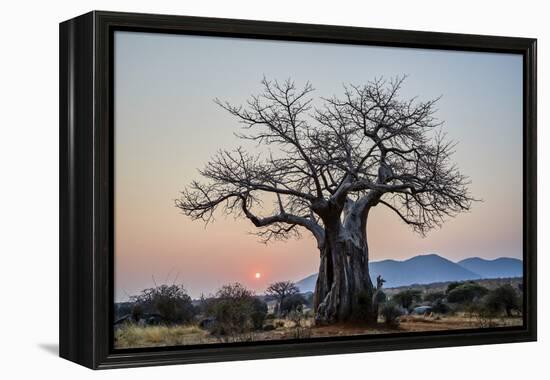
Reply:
x=427, y=269
x=503, y=267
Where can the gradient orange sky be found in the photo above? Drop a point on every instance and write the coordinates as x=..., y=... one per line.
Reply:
x=167, y=127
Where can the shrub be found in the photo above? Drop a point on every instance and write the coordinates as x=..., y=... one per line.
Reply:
x=296, y=317
x=308, y=297
x=122, y=309
x=440, y=307
x=309, y=314
x=231, y=309
x=301, y=333
x=170, y=302
x=236, y=311
x=503, y=298
x=380, y=297
x=391, y=313
x=466, y=293
x=407, y=298
x=201, y=306
x=452, y=286
x=137, y=312
x=481, y=315
x=434, y=297
x=291, y=303
x=259, y=313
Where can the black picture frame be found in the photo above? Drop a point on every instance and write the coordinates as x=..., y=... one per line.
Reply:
x=86, y=187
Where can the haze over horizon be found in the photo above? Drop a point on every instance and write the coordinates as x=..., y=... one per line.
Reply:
x=167, y=126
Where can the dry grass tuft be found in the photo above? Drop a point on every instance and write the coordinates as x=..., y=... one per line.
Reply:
x=131, y=336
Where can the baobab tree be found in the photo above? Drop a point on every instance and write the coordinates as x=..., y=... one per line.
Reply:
x=324, y=168
x=280, y=290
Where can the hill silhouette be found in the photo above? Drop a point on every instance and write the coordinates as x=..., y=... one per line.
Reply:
x=430, y=268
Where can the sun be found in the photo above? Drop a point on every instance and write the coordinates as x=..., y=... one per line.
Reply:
x=258, y=275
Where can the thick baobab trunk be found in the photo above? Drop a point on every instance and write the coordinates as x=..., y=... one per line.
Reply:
x=344, y=282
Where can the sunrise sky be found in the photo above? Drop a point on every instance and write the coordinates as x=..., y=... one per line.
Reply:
x=167, y=126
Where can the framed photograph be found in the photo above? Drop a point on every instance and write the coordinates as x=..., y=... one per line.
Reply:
x=235, y=189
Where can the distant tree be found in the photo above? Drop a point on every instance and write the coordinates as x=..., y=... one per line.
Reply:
x=433, y=297
x=466, y=292
x=292, y=303
x=235, y=291
x=280, y=290
x=368, y=148
x=407, y=298
x=453, y=285
x=503, y=298
x=171, y=302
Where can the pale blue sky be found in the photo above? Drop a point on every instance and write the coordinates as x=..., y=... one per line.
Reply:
x=167, y=126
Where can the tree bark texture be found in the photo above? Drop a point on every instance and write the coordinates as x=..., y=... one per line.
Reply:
x=344, y=272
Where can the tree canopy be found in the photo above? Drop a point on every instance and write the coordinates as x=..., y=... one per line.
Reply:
x=366, y=146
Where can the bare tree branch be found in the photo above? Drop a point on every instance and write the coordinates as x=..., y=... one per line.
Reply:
x=366, y=148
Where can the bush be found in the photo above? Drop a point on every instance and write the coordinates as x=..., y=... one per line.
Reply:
x=296, y=317
x=201, y=306
x=503, y=298
x=481, y=315
x=291, y=303
x=170, y=302
x=380, y=297
x=301, y=333
x=236, y=311
x=137, y=312
x=440, y=307
x=466, y=293
x=391, y=313
x=309, y=314
x=122, y=309
x=308, y=297
x=434, y=297
x=407, y=298
x=452, y=286
x=259, y=313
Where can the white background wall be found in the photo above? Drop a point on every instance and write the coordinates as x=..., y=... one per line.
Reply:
x=29, y=187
